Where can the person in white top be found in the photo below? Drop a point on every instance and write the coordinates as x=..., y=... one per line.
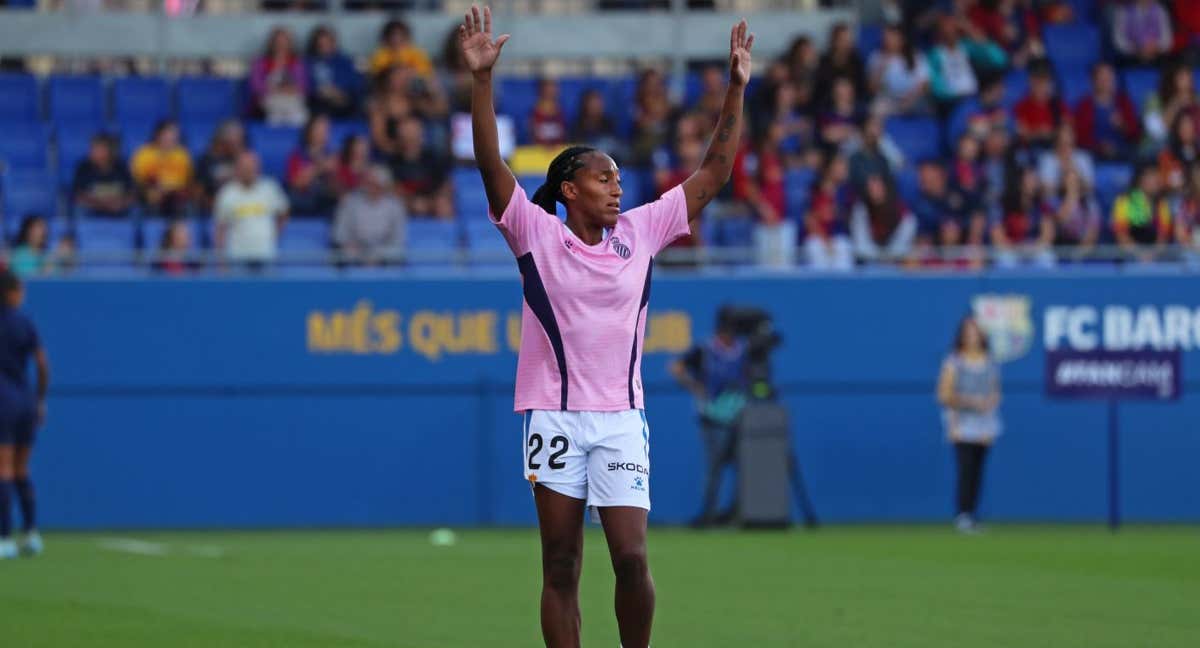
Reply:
x=899, y=76
x=250, y=212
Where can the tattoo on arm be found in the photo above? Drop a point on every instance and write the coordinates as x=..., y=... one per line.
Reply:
x=726, y=127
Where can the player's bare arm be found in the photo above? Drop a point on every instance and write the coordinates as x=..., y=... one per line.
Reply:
x=714, y=171
x=480, y=53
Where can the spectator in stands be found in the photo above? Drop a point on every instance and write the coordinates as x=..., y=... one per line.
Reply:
x=802, y=60
x=840, y=61
x=1041, y=112
x=948, y=218
x=353, y=161
x=1176, y=94
x=875, y=156
x=990, y=111
x=652, y=118
x=547, y=124
x=102, y=185
x=966, y=173
x=1187, y=217
x=215, y=167
x=396, y=49
x=455, y=75
x=1141, y=218
x=712, y=96
x=839, y=124
x=826, y=243
x=951, y=60
x=997, y=162
x=278, y=83
x=1026, y=229
x=251, y=210
x=1181, y=152
x=1141, y=31
x=1187, y=28
x=370, y=223
x=1106, y=122
x=175, y=250
x=162, y=170
x=594, y=127
x=1076, y=217
x=388, y=108
x=29, y=255
x=1052, y=165
x=422, y=175
x=1011, y=26
x=880, y=225
x=334, y=84
x=689, y=149
x=758, y=180
x=312, y=171
x=899, y=76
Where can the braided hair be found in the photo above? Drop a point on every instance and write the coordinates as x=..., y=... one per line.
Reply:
x=562, y=168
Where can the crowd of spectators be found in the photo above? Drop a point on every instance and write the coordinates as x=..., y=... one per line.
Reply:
x=1015, y=183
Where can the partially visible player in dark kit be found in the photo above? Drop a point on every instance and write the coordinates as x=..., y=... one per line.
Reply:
x=22, y=411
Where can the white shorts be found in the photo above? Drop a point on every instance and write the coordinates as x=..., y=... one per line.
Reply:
x=601, y=457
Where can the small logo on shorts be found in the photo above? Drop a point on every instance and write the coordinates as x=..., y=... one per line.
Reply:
x=620, y=248
x=639, y=484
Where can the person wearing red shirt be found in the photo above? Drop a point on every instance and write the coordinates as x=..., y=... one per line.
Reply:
x=1039, y=114
x=547, y=125
x=1106, y=122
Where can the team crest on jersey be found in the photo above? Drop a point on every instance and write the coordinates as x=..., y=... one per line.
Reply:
x=1006, y=321
x=620, y=248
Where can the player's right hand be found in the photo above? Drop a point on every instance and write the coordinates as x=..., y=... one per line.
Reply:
x=475, y=39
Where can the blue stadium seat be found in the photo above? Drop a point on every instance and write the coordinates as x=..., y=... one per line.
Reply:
x=906, y=184
x=1016, y=86
x=1111, y=180
x=305, y=235
x=469, y=196
x=206, y=99
x=27, y=192
x=430, y=238
x=19, y=99
x=1072, y=45
x=145, y=99
x=339, y=131
x=516, y=99
x=77, y=100
x=870, y=39
x=105, y=235
x=486, y=243
x=197, y=134
x=530, y=183
x=152, y=230
x=1140, y=83
x=25, y=147
x=274, y=144
x=957, y=124
x=1074, y=84
x=918, y=137
x=134, y=134
x=620, y=102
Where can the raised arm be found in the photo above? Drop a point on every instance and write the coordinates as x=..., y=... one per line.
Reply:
x=714, y=171
x=480, y=53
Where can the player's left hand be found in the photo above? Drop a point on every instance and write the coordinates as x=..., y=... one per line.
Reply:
x=740, y=43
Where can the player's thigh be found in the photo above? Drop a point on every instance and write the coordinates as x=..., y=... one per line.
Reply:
x=554, y=455
x=619, y=461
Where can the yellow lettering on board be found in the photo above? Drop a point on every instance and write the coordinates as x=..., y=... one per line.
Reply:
x=513, y=331
x=668, y=332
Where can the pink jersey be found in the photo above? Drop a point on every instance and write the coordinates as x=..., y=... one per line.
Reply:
x=584, y=313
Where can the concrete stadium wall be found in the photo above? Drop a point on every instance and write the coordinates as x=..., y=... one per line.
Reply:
x=296, y=403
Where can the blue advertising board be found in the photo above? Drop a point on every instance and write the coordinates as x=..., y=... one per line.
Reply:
x=287, y=402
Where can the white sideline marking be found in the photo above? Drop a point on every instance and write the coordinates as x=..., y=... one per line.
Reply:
x=134, y=546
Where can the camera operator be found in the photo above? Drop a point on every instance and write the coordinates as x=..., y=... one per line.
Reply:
x=715, y=373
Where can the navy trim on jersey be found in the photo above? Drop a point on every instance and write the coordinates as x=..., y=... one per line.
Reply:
x=539, y=303
x=641, y=308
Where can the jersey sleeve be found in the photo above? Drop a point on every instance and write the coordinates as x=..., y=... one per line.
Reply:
x=663, y=220
x=521, y=223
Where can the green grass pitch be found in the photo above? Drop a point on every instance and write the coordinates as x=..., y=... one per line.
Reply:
x=894, y=587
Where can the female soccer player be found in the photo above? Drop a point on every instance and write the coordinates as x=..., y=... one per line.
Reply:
x=21, y=411
x=586, y=287
x=969, y=391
